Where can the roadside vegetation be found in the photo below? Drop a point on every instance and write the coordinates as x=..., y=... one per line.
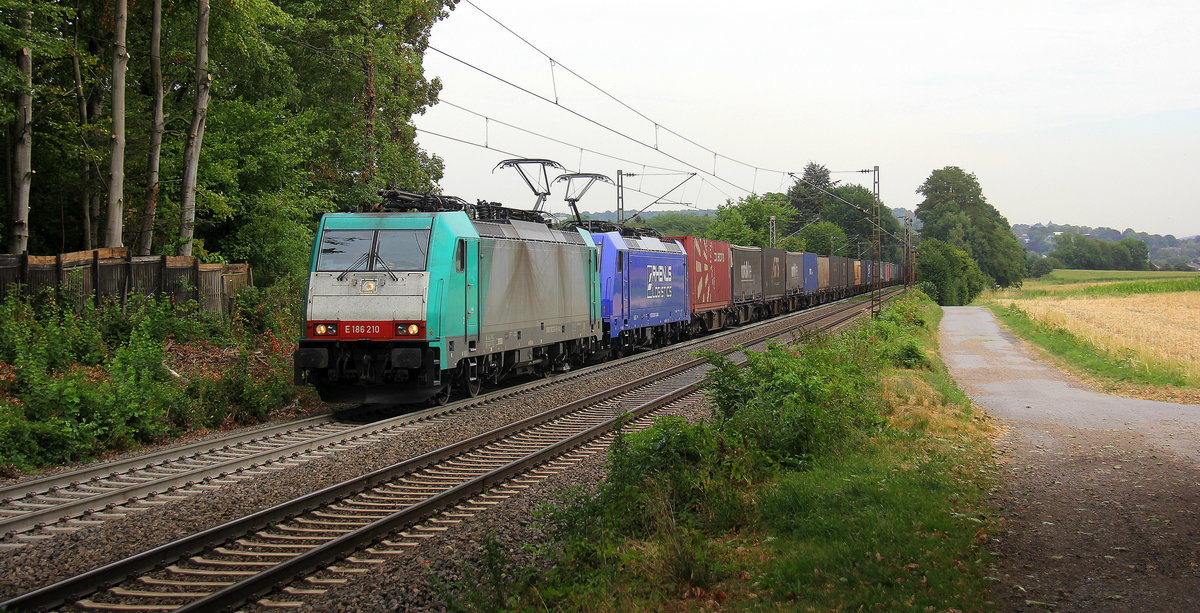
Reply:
x=1132, y=332
x=78, y=382
x=839, y=473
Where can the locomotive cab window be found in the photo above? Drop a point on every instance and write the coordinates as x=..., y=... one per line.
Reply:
x=372, y=250
x=343, y=249
x=402, y=249
x=460, y=256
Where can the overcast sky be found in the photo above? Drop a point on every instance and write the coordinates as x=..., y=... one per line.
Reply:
x=1082, y=112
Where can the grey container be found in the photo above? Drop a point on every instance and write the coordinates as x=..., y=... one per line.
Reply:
x=795, y=273
x=747, y=279
x=774, y=272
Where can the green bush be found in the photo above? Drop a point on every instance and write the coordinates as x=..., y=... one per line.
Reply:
x=78, y=379
x=793, y=403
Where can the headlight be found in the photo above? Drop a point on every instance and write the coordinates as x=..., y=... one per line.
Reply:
x=408, y=329
x=325, y=329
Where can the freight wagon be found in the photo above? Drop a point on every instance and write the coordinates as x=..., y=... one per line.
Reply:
x=709, y=282
x=746, y=282
x=774, y=267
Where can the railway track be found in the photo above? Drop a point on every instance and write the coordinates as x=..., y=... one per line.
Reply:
x=343, y=529
x=40, y=509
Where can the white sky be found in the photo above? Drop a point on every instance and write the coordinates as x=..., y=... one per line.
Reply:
x=1083, y=112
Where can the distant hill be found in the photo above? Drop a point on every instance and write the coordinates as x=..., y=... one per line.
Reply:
x=612, y=215
x=1164, y=250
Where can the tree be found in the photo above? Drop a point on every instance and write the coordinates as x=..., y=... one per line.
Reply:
x=288, y=133
x=678, y=224
x=116, y=162
x=747, y=222
x=154, y=156
x=816, y=197
x=810, y=193
x=948, y=274
x=823, y=237
x=22, y=135
x=852, y=209
x=191, y=154
x=1039, y=266
x=1082, y=252
x=952, y=194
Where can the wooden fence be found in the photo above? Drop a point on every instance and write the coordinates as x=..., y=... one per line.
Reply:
x=113, y=274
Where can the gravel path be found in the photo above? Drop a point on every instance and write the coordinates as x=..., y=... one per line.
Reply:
x=1100, y=495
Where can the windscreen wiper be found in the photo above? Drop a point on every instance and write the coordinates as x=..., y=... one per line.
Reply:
x=385, y=266
x=362, y=259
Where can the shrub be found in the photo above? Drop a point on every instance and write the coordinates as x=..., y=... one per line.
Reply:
x=792, y=403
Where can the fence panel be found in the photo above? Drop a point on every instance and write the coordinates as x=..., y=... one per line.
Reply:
x=112, y=274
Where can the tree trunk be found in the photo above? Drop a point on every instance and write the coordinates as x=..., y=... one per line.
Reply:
x=116, y=180
x=85, y=176
x=22, y=173
x=146, y=237
x=191, y=154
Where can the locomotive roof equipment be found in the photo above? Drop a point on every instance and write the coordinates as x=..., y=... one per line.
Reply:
x=572, y=199
x=539, y=185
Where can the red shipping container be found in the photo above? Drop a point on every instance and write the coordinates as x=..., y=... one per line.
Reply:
x=709, y=274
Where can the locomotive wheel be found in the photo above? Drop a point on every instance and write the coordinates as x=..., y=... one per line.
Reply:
x=472, y=380
x=442, y=397
x=473, y=387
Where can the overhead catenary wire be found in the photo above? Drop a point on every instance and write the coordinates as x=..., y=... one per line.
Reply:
x=612, y=97
x=584, y=117
x=656, y=125
x=518, y=155
x=489, y=120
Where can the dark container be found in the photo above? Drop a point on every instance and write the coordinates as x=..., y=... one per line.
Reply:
x=746, y=275
x=795, y=273
x=774, y=268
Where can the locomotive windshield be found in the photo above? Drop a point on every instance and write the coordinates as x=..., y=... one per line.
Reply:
x=373, y=250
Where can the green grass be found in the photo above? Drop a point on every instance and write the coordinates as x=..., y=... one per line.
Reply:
x=1085, y=356
x=879, y=528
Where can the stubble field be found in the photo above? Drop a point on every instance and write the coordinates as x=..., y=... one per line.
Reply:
x=1133, y=332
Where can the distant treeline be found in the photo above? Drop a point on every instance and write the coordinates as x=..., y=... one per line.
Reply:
x=1082, y=253
x=1165, y=251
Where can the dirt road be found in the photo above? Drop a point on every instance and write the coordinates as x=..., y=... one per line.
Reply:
x=1100, y=495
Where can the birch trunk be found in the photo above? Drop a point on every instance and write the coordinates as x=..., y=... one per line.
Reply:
x=146, y=236
x=116, y=181
x=22, y=171
x=85, y=193
x=191, y=154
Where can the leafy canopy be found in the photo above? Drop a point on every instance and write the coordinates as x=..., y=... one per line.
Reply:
x=955, y=212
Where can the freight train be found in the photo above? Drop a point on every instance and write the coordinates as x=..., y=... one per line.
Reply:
x=414, y=306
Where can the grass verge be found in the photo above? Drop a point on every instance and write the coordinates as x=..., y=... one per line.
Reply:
x=846, y=473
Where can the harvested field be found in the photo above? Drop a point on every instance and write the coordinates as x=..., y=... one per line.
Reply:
x=1159, y=330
